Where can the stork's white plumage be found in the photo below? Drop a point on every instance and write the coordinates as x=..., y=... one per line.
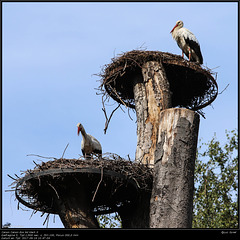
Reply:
x=89, y=144
x=187, y=41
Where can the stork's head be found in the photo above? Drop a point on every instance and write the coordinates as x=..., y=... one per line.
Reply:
x=79, y=126
x=179, y=24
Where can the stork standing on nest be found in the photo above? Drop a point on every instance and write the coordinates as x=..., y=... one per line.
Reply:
x=187, y=41
x=89, y=144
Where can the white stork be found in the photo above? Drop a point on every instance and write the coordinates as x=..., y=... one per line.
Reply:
x=187, y=41
x=89, y=143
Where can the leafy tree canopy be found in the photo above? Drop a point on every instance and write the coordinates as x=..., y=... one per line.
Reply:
x=216, y=182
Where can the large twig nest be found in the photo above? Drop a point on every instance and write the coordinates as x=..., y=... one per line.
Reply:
x=192, y=86
x=111, y=181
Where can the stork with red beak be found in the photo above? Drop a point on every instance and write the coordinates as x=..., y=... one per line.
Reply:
x=89, y=144
x=187, y=41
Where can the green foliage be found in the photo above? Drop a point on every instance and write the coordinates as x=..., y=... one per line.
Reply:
x=109, y=220
x=216, y=182
x=215, y=186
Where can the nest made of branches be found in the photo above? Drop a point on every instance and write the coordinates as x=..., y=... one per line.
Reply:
x=191, y=85
x=112, y=182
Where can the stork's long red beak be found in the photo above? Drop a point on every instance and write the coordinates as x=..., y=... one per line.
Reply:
x=79, y=129
x=173, y=28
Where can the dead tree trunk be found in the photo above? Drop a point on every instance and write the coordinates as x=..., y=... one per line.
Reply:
x=166, y=140
x=171, y=203
x=73, y=207
x=152, y=95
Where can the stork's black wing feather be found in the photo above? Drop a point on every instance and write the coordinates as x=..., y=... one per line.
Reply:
x=196, y=48
x=98, y=151
x=83, y=152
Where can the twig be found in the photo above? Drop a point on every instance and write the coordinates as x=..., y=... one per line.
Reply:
x=123, y=71
x=77, y=181
x=129, y=114
x=39, y=184
x=16, y=175
x=64, y=151
x=98, y=185
x=31, y=214
x=26, y=210
x=118, y=96
x=47, y=218
x=105, y=113
x=223, y=89
x=37, y=165
x=54, y=190
x=122, y=109
x=113, y=112
x=201, y=113
x=29, y=171
x=214, y=68
x=11, y=177
x=40, y=156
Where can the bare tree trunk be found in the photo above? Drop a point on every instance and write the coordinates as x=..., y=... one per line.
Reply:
x=152, y=95
x=74, y=207
x=171, y=203
x=166, y=140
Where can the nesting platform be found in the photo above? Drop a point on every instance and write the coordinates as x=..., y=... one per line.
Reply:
x=192, y=86
x=111, y=183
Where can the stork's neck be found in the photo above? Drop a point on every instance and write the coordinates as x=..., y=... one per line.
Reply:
x=176, y=29
x=83, y=132
x=175, y=32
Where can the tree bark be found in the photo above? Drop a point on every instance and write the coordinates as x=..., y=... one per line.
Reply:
x=73, y=207
x=152, y=95
x=171, y=203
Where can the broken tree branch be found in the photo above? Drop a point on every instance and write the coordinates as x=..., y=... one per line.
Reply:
x=105, y=113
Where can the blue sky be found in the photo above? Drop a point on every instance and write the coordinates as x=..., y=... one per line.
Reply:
x=51, y=52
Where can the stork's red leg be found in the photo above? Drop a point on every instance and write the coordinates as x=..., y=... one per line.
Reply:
x=189, y=49
x=182, y=54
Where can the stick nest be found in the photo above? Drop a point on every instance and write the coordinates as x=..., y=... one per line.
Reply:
x=192, y=86
x=111, y=183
